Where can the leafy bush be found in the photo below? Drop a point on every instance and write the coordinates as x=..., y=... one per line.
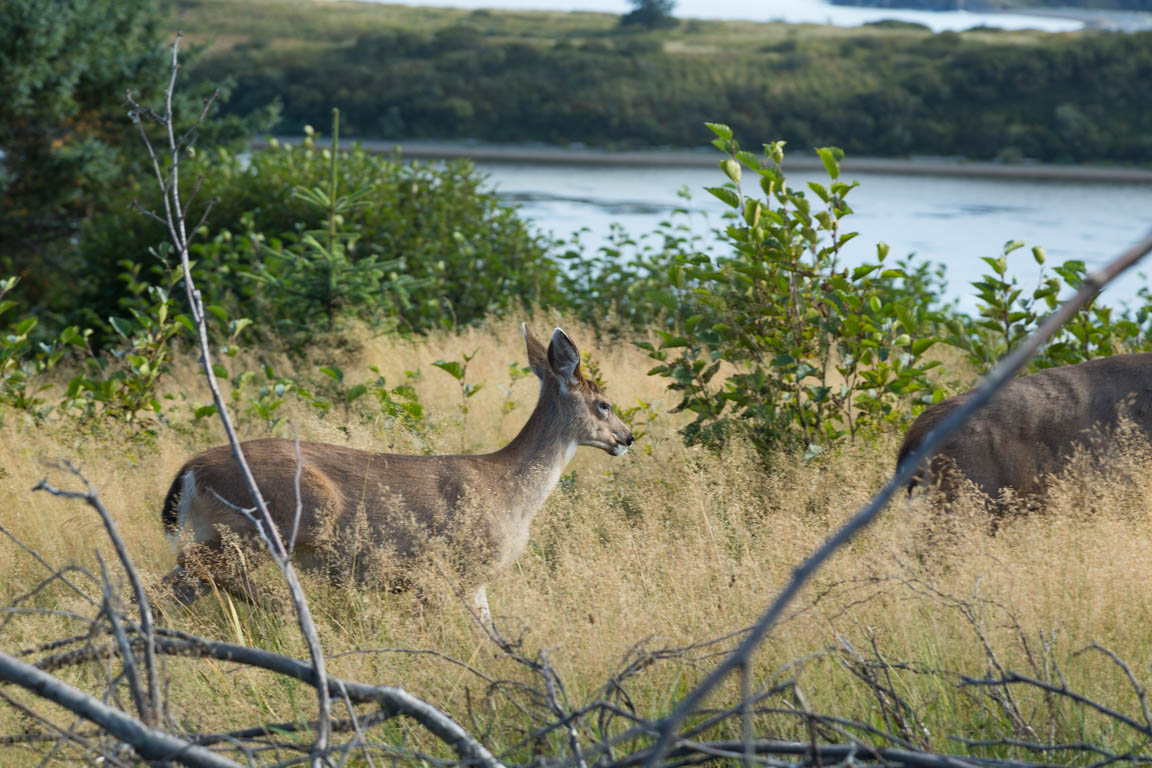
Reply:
x=816, y=351
x=421, y=244
x=1006, y=314
x=23, y=361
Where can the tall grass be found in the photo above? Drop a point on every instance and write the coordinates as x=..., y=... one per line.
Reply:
x=658, y=550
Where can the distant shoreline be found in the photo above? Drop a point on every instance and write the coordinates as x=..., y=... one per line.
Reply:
x=688, y=158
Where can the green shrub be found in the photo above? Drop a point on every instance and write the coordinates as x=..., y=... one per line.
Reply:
x=817, y=351
x=1006, y=313
x=423, y=245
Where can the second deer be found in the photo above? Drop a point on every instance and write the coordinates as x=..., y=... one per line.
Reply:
x=480, y=503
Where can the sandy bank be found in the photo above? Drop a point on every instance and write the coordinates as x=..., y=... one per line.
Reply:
x=687, y=158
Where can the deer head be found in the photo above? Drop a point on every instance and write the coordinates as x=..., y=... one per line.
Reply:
x=579, y=413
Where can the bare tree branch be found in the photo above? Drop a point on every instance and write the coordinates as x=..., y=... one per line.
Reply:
x=152, y=707
x=175, y=213
x=150, y=743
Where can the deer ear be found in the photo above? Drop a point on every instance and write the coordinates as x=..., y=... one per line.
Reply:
x=537, y=355
x=564, y=358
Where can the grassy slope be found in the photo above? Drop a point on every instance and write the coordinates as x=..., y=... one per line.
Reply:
x=660, y=548
x=306, y=23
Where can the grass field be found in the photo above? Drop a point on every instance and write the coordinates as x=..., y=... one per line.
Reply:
x=223, y=24
x=665, y=548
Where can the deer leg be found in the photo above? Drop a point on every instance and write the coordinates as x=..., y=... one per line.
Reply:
x=184, y=587
x=480, y=601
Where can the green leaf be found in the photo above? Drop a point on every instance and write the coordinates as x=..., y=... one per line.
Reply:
x=1012, y=245
x=670, y=341
x=1038, y=254
x=720, y=130
x=831, y=157
x=121, y=326
x=186, y=321
x=724, y=195
x=219, y=311
x=451, y=367
x=333, y=372
x=921, y=345
x=204, y=411
x=219, y=371
x=356, y=391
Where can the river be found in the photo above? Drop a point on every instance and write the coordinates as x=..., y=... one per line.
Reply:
x=947, y=219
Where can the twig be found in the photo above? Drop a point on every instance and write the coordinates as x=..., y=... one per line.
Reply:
x=1141, y=694
x=1011, y=678
x=152, y=706
x=392, y=701
x=57, y=573
x=80, y=739
x=111, y=610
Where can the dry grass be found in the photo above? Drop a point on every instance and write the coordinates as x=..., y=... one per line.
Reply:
x=649, y=551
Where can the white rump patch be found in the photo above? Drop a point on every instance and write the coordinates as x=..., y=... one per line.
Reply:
x=187, y=492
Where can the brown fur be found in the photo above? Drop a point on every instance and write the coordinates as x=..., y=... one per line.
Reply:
x=481, y=505
x=1030, y=429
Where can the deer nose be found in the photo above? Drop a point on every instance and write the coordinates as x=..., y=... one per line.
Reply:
x=630, y=439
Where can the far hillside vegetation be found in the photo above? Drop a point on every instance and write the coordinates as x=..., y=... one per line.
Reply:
x=400, y=73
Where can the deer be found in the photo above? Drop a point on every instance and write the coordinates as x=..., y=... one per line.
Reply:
x=481, y=502
x=1031, y=428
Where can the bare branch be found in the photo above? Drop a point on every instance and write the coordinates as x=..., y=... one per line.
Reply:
x=1011, y=678
x=111, y=610
x=56, y=573
x=1141, y=694
x=151, y=713
x=150, y=743
x=174, y=213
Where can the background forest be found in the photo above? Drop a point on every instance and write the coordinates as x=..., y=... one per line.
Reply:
x=889, y=89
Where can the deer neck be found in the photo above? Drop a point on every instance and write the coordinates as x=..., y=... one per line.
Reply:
x=535, y=459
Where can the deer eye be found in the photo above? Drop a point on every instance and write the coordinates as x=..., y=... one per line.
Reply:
x=603, y=406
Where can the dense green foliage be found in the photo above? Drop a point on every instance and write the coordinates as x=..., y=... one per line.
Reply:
x=306, y=242
x=64, y=69
x=68, y=149
x=309, y=242
x=1060, y=98
x=819, y=351
x=813, y=351
x=766, y=334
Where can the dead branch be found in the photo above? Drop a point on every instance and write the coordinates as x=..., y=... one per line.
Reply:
x=151, y=706
x=150, y=743
x=392, y=701
x=175, y=214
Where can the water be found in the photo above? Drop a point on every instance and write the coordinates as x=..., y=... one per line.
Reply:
x=949, y=220
x=791, y=11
